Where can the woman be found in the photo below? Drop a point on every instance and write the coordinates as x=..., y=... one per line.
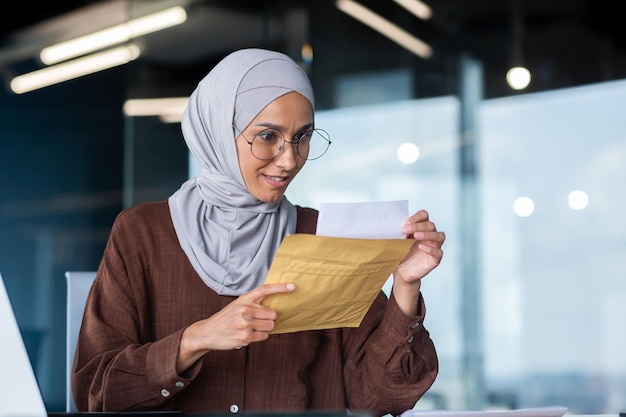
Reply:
x=174, y=319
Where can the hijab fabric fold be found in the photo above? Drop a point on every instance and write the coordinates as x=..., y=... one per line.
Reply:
x=229, y=236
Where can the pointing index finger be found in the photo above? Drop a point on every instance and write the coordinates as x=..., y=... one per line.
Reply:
x=259, y=293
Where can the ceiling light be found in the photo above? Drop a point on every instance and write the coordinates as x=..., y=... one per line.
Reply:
x=418, y=8
x=171, y=118
x=385, y=27
x=113, y=35
x=408, y=153
x=518, y=78
x=170, y=110
x=523, y=206
x=578, y=200
x=74, y=69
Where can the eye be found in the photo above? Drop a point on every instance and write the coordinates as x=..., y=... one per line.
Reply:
x=304, y=136
x=268, y=136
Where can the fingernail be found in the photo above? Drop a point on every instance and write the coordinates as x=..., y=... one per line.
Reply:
x=291, y=286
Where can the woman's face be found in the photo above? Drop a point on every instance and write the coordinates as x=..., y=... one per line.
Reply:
x=268, y=179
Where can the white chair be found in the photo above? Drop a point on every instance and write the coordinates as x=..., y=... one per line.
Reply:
x=78, y=286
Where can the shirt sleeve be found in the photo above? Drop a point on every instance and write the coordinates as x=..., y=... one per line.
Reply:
x=116, y=365
x=391, y=360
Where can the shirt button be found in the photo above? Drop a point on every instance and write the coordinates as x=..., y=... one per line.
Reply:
x=415, y=325
x=165, y=392
x=179, y=384
x=234, y=408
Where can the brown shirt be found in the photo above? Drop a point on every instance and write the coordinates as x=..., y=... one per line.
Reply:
x=146, y=292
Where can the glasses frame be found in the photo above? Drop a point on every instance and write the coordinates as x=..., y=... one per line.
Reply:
x=324, y=134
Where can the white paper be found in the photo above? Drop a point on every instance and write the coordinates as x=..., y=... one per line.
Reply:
x=376, y=220
x=553, y=411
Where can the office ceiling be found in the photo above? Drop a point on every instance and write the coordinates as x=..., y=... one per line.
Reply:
x=564, y=42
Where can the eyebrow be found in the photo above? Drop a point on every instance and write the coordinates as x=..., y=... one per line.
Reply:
x=282, y=129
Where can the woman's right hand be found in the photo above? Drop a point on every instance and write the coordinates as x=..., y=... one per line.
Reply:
x=240, y=323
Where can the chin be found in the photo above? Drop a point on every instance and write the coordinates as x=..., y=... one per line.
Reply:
x=273, y=200
x=270, y=198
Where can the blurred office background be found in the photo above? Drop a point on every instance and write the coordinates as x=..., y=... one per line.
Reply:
x=529, y=183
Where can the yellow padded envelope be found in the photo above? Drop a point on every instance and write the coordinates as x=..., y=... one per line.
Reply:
x=336, y=279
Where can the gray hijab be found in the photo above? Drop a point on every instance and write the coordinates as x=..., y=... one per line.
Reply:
x=229, y=236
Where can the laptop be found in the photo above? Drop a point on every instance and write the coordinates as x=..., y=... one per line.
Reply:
x=19, y=391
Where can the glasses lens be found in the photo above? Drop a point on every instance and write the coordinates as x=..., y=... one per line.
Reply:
x=316, y=146
x=267, y=144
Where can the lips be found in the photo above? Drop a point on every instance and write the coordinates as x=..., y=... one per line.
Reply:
x=277, y=179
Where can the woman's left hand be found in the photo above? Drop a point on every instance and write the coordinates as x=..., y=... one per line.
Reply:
x=426, y=253
x=424, y=256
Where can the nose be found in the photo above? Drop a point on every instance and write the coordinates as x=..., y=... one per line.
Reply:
x=287, y=158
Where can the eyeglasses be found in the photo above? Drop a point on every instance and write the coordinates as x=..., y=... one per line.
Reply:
x=269, y=143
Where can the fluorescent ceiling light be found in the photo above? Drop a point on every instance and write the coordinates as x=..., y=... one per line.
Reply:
x=74, y=69
x=170, y=110
x=113, y=35
x=171, y=118
x=417, y=7
x=385, y=27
